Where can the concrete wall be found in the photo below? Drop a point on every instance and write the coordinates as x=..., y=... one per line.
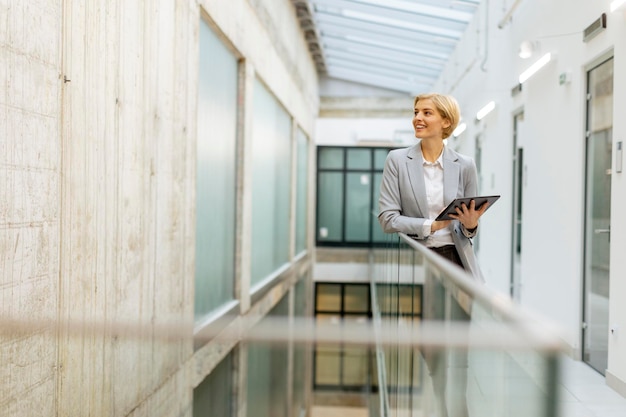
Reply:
x=97, y=220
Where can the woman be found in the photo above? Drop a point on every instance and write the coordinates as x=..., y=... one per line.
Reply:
x=420, y=181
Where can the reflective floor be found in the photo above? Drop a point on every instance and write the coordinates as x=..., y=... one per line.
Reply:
x=585, y=393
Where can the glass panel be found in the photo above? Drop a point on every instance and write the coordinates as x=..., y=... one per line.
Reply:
x=330, y=158
x=327, y=356
x=378, y=236
x=358, y=203
x=271, y=184
x=359, y=159
x=380, y=155
x=327, y=365
x=328, y=297
x=267, y=373
x=301, y=351
x=213, y=397
x=514, y=380
x=598, y=216
x=355, y=371
x=302, y=191
x=215, y=176
x=356, y=298
x=330, y=206
x=409, y=300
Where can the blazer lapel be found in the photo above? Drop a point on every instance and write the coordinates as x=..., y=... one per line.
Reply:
x=450, y=176
x=415, y=168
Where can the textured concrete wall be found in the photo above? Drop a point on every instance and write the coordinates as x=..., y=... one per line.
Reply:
x=126, y=202
x=97, y=182
x=30, y=216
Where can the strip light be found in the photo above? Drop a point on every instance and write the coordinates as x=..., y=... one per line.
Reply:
x=459, y=129
x=486, y=110
x=535, y=67
x=616, y=4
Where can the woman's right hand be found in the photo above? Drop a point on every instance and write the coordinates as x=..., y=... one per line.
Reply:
x=437, y=225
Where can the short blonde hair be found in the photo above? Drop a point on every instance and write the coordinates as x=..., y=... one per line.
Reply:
x=447, y=106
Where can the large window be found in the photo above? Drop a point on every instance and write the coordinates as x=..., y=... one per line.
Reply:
x=352, y=368
x=271, y=184
x=215, y=173
x=348, y=183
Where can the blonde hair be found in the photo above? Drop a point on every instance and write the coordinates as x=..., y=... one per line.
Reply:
x=447, y=106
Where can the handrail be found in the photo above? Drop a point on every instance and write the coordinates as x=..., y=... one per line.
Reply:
x=501, y=305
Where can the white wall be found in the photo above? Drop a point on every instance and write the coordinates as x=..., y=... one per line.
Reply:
x=554, y=152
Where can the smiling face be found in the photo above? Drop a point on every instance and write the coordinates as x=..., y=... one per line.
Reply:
x=427, y=121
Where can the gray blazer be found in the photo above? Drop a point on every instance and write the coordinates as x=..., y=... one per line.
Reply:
x=403, y=206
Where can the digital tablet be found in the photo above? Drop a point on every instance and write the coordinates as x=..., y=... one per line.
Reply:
x=479, y=201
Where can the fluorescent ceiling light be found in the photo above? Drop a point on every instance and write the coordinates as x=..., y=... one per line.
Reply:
x=486, y=110
x=535, y=67
x=459, y=129
x=616, y=4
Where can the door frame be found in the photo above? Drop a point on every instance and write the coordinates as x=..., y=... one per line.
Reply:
x=592, y=64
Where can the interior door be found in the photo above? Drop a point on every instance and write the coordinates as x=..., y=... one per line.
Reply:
x=598, y=214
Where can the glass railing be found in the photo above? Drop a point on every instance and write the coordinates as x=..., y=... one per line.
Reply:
x=447, y=345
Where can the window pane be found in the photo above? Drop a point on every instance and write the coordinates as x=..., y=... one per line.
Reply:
x=358, y=203
x=215, y=176
x=330, y=158
x=213, y=397
x=267, y=374
x=330, y=206
x=328, y=297
x=302, y=191
x=300, y=351
x=327, y=365
x=378, y=235
x=360, y=159
x=271, y=184
x=406, y=300
x=356, y=298
x=379, y=158
x=355, y=358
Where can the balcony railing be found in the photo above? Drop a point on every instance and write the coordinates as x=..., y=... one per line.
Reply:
x=473, y=352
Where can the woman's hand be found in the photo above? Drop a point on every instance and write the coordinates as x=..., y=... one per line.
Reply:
x=439, y=224
x=469, y=216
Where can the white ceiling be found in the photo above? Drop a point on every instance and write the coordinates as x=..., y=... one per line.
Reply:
x=399, y=45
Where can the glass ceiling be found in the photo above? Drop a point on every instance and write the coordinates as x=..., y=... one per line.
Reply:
x=399, y=45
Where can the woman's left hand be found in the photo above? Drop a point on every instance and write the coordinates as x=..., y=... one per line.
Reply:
x=469, y=216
